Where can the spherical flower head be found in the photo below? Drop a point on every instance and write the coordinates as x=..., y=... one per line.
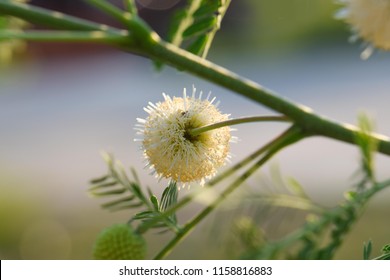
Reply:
x=168, y=145
x=369, y=20
x=119, y=242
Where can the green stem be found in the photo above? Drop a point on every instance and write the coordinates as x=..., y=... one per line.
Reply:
x=268, y=250
x=130, y=6
x=293, y=136
x=199, y=130
x=299, y=114
x=383, y=257
x=66, y=36
x=112, y=10
x=231, y=170
x=141, y=33
x=53, y=19
x=50, y=18
x=147, y=42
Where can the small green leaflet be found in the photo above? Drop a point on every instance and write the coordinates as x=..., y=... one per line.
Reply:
x=193, y=27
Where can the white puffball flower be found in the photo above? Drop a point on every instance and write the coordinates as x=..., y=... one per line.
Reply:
x=171, y=151
x=369, y=20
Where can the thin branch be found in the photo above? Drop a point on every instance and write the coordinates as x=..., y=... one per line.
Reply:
x=148, y=43
x=269, y=249
x=231, y=170
x=65, y=36
x=111, y=10
x=294, y=136
x=130, y=6
x=303, y=116
x=199, y=130
x=49, y=18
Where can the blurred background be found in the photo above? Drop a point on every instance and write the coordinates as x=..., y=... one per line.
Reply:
x=62, y=104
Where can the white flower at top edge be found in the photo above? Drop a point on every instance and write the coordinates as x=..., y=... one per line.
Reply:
x=369, y=20
x=169, y=148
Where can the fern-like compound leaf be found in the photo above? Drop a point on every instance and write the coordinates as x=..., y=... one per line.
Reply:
x=194, y=27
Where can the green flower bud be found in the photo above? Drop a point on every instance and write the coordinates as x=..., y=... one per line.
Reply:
x=119, y=242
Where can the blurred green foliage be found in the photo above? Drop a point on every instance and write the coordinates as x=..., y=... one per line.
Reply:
x=17, y=209
x=283, y=24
